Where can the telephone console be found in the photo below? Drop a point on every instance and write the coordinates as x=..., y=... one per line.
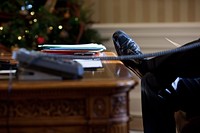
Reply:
x=67, y=69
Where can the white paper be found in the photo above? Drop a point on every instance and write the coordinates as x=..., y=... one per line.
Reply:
x=90, y=63
x=7, y=71
x=7, y=74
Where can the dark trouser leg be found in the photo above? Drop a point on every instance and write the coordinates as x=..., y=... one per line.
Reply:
x=188, y=91
x=181, y=64
x=159, y=105
x=157, y=115
x=188, y=98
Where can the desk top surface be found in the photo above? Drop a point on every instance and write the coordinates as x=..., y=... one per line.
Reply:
x=113, y=74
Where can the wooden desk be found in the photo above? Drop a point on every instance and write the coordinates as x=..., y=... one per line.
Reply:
x=98, y=103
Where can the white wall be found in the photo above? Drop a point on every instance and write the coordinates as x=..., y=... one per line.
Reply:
x=151, y=38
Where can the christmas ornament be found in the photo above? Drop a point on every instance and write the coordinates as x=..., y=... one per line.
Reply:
x=64, y=34
x=40, y=40
x=50, y=5
x=67, y=14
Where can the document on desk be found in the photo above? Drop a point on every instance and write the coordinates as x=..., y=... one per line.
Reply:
x=6, y=74
x=90, y=63
x=72, y=49
x=90, y=46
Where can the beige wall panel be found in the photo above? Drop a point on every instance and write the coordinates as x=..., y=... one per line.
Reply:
x=139, y=11
x=197, y=10
x=183, y=11
x=191, y=10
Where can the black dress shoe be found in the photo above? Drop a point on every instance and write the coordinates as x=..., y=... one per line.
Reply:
x=124, y=45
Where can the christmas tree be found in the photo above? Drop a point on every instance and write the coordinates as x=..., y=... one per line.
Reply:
x=27, y=23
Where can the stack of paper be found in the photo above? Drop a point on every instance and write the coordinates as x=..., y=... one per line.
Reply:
x=77, y=49
x=72, y=48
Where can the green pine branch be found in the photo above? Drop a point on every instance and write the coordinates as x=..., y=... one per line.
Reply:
x=70, y=24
